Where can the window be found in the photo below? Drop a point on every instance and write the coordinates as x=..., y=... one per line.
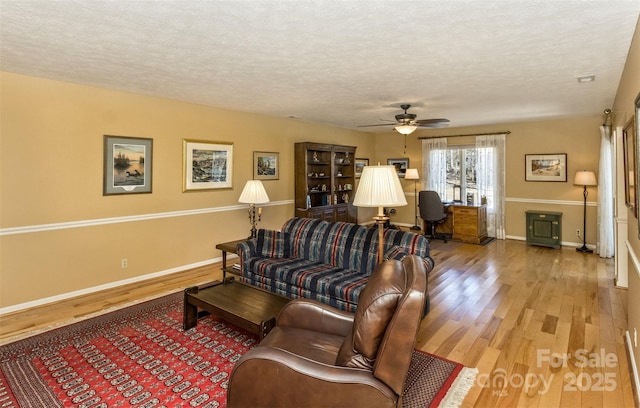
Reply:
x=461, y=174
x=469, y=173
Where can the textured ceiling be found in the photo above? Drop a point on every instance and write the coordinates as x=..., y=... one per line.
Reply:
x=343, y=63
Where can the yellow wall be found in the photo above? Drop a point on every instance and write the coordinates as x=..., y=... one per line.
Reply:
x=578, y=137
x=623, y=108
x=51, y=169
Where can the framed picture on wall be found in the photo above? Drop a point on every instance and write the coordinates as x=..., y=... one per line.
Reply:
x=545, y=167
x=127, y=165
x=637, y=168
x=629, y=156
x=206, y=165
x=266, y=166
x=360, y=164
x=401, y=165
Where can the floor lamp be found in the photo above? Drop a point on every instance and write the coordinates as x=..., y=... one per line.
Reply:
x=252, y=194
x=585, y=178
x=412, y=174
x=379, y=187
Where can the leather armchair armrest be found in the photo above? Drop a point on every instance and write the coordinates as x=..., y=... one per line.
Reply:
x=313, y=315
x=271, y=377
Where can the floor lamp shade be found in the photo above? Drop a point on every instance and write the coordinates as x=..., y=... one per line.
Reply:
x=379, y=187
x=412, y=174
x=585, y=179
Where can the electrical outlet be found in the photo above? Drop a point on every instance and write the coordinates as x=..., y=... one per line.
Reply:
x=577, y=232
x=124, y=263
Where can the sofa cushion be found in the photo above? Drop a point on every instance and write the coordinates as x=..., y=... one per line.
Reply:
x=303, y=278
x=273, y=244
x=294, y=292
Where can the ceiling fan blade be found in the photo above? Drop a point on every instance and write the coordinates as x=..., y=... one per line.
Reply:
x=438, y=120
x=381, y=124
x=433, y=123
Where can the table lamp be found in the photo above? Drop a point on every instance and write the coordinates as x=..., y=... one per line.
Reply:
x=585, y=178
x=252, y=194
x=412, y=174
x=379, y=187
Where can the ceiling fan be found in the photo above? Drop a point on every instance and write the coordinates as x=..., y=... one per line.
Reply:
x=406, y=123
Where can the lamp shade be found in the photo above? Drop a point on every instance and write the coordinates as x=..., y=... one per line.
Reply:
x=411, y=174
x=379, y=187
x=585, y=178
x=405, y=129
x=253, y=193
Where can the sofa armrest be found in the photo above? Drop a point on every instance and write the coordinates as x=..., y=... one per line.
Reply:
x=246, y=250
x=269, y=377
x=313, y=315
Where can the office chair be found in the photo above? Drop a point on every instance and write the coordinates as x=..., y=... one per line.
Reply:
x=432, y=211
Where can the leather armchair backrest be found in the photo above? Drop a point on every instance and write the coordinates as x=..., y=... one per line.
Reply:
x=386, y=321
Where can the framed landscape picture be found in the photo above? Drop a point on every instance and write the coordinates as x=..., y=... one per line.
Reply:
x=266, y=166
x=206, y=165
x=401, y=165
x=360, y=164
x=545, y=167
x=127, y=165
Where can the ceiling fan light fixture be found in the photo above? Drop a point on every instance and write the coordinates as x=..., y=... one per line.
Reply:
x=405, y=129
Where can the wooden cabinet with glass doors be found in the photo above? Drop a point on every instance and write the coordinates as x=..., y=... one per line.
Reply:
x=325, y=181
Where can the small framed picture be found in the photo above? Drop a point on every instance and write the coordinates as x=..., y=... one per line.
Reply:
x=401, y=166
x=127, y=165
x=206, y=165
x=637, y=158
x=266, y=166
x=360, y=164
x=545, y=167
x=629, y=156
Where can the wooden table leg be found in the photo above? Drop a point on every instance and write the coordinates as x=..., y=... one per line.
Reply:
x=224, y=266
x=190, y=314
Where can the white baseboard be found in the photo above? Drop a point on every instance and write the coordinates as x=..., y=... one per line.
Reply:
x=635, y=379
x=563, y=243
x=111, y=285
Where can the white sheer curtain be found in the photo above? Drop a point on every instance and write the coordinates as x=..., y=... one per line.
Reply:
x=490, y=180
x=605, y=243
x=434, y=165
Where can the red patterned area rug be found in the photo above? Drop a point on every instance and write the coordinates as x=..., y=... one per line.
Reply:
x=139, y=356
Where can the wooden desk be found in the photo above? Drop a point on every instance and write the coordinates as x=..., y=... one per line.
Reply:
x=469, y=223
x=466, y=223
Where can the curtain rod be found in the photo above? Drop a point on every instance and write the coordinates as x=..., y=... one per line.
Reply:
x=508, y=132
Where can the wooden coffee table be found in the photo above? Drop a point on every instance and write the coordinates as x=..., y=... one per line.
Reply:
x=245, y=306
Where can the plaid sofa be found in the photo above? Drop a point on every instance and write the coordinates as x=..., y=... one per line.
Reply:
x=327, y=261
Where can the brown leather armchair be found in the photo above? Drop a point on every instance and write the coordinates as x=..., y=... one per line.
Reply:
x=321, y=356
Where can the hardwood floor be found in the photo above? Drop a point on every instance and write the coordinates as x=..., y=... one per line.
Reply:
x=535, y=321
x=544, y=327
